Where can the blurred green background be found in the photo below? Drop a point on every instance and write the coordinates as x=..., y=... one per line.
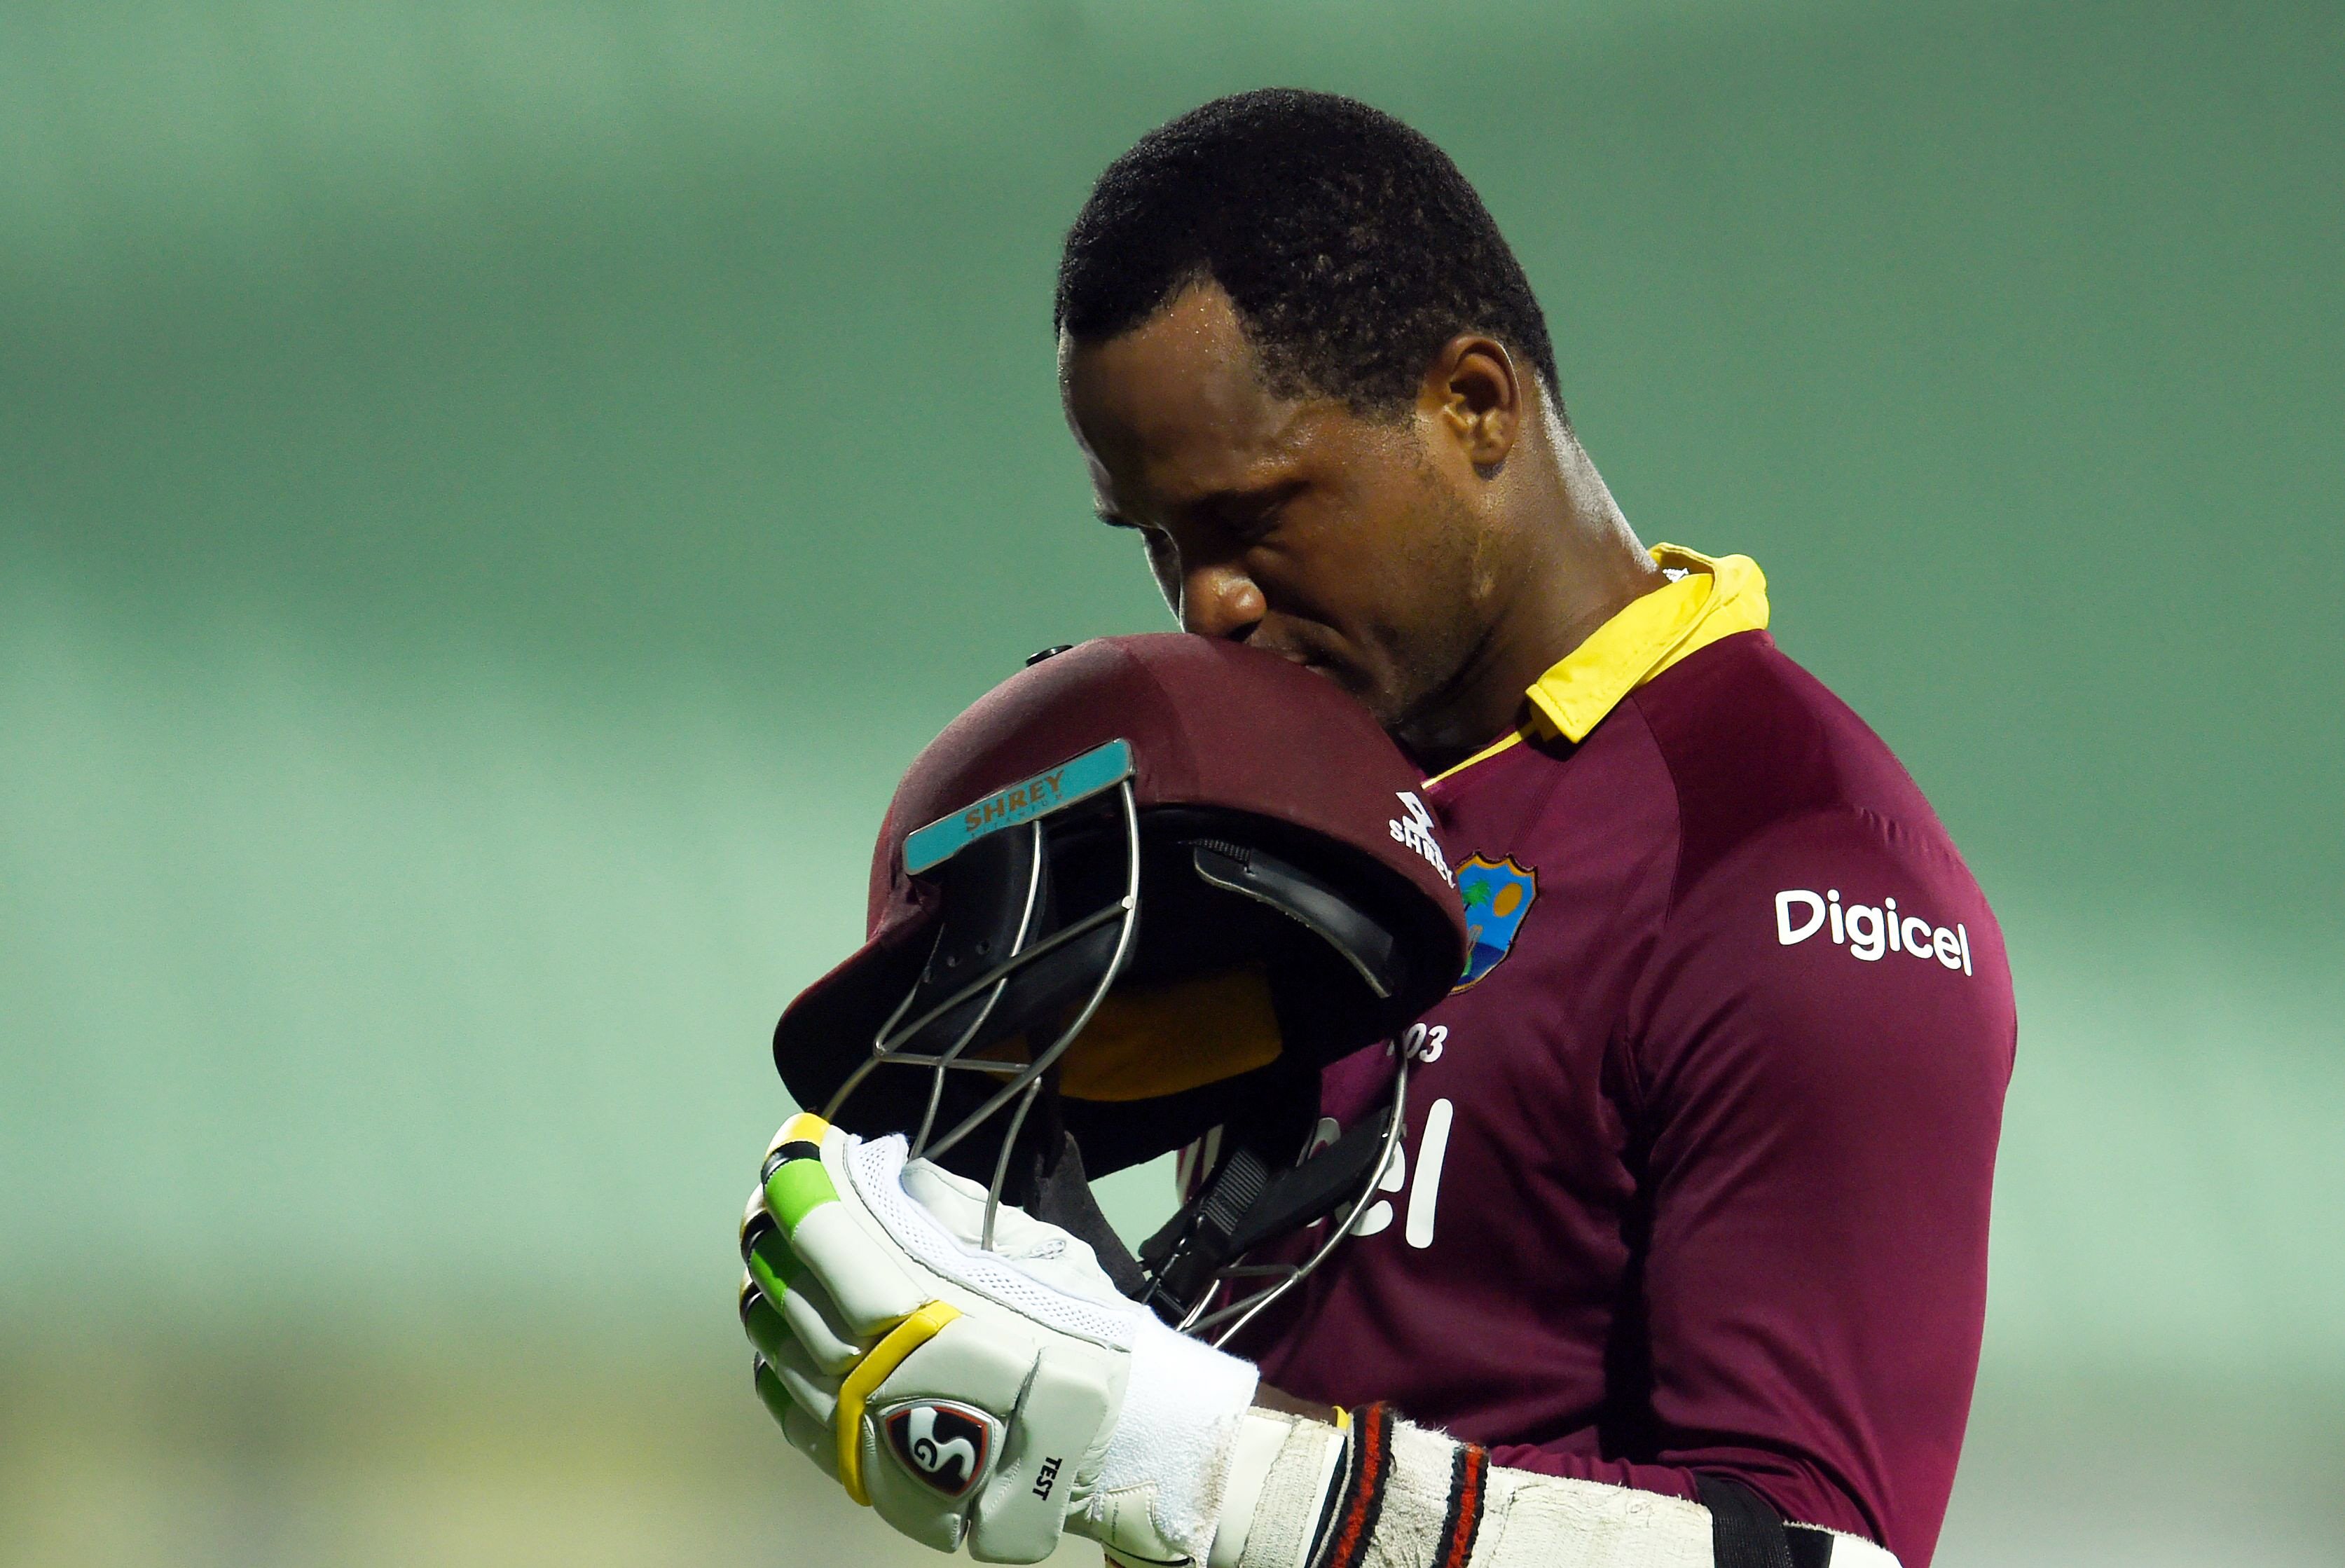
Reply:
x=491, y=494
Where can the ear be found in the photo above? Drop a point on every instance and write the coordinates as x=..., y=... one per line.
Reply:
x=1473, y=393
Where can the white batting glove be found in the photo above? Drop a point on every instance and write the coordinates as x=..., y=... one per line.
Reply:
x=993, y=1397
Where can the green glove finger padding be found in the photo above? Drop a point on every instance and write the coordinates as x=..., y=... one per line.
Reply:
x=761, y=1323
x=771, y=1392
x=815, y=1392
x=798, y=1185
x=766, y=1254
x=793, y=1177
x=802, y=1305
x=802, y=1432
x=934, y=1477
x=870, y=1291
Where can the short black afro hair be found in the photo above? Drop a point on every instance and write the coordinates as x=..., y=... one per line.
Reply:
x=1350, y=244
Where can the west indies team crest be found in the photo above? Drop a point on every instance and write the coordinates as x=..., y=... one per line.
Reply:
x=1497, y=894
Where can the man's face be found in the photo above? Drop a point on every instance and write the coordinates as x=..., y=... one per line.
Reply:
x=1348, y=545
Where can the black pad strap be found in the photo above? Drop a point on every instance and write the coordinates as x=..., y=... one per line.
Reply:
x=1811, y=1548
x=1745, y=1531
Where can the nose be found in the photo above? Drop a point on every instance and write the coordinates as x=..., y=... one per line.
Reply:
x=1219, y=600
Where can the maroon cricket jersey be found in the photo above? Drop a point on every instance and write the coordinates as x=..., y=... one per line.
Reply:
x=1698, y=1155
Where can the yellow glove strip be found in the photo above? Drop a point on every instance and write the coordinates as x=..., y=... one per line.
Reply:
x=803, y=1127
x=870, y=1372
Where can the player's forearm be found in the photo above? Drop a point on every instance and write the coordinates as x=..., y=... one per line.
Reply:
x=1382, y=1491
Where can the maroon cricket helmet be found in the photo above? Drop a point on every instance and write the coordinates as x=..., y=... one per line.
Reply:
x=1182, y=874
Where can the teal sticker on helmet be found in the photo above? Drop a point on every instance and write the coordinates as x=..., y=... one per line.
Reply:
x=1101, y=768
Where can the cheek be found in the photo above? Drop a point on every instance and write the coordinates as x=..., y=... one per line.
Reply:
x=1371, y=556
x=1433, y=609
x=1365, y=552
x=1429, y=561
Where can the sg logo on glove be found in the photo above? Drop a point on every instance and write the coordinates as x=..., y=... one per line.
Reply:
x=944, y=1444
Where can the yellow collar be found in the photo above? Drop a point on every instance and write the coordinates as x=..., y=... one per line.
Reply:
x=1708, y=600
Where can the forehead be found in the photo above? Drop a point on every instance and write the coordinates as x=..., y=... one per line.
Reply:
x=1176, y=406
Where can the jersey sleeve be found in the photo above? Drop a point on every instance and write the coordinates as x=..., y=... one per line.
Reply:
x=1818, y=1049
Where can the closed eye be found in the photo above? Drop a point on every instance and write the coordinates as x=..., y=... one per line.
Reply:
x=1249, y=515
x=1155, y=540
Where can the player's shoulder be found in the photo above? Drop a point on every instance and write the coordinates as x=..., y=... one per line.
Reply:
x=1813, y=886
x=1757, y=748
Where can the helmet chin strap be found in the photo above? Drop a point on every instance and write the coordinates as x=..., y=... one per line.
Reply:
x=1183, y=1270
x=1247, y=1203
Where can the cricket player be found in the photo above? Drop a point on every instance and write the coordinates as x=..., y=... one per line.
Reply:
x=1680, y=1258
